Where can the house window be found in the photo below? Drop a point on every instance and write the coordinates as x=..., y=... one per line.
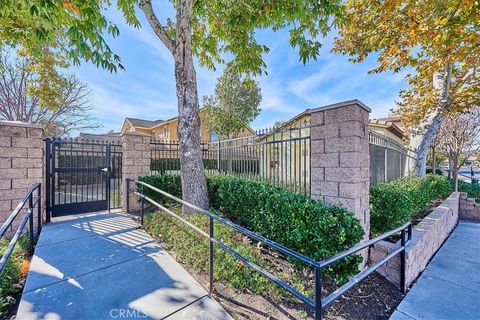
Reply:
x=213, y=136
x=165, y=132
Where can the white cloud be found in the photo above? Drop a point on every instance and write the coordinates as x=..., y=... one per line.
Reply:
x=157, y=47
x=111, y=107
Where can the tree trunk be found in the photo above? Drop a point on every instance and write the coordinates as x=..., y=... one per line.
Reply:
x=194, y=184
x=434, y=161
x=450, y=166
x=420, y=142
x=455, y=173
x=427, y=130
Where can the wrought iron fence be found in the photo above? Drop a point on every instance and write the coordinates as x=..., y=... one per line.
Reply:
x=317, y=302
x=388, y=158
x=82, y=175
x=279, y=157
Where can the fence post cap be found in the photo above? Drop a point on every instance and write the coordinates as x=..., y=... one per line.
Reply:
x=341, y=104
x=20, y=124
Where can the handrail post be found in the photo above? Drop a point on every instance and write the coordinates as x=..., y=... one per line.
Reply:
x=318, y=294
x=210, y=269
x=143, y=204
x=48, y=179
x=30, y=221
x=39, y=208
x=403, y=258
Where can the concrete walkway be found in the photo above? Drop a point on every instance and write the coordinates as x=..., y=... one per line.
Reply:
x=449, y=288
x=102, y=266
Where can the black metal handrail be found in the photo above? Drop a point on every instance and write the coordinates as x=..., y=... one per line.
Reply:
x=318, y=303
x=28, y=216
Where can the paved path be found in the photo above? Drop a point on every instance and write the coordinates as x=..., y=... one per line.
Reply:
x=102, y=267
x=449, y=288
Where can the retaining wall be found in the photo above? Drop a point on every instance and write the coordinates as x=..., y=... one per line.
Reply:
x=469, y=209
x=427, y=237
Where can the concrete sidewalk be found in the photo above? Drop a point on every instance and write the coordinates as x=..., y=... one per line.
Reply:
x=102, y=266
x=449, y=288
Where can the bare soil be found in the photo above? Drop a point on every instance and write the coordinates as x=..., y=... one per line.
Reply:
x=375, y=298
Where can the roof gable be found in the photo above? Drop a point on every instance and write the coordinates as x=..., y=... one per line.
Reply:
x=135, y=122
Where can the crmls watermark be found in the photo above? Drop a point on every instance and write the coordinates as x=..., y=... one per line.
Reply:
x=126, y=314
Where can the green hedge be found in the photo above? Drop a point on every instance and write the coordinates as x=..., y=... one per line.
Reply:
x=473, y=191
x=296, y=221
x=396, y=202
x=437, y=171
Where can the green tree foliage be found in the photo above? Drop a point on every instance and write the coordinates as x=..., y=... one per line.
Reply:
x=74, y=28
x=439, y=40
x=37, y=90
x=208, y=29
x=234, y=105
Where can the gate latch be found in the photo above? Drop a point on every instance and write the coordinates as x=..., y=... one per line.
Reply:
x=104, y=169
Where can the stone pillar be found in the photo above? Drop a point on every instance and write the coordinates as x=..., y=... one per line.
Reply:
x=22, y=164
x=340, y=157
x=135, y=164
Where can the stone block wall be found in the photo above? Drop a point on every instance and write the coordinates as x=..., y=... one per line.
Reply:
x=340, y=157
x=21, y=164
x=427, y=237
x=469, y=209
x=135, y=163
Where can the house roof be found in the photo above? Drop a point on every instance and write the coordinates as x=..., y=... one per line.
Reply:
x=143, y=123
x=112, y=134
x=392, y=124
x=390, y=119
x=159, y=123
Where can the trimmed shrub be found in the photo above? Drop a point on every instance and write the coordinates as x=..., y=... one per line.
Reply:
x=438, y=186
x=293, y=220
x=389, y=208
x=416, y=190
x=473, y=191
x=171, y=183
x=396, y=202
x=437, y=171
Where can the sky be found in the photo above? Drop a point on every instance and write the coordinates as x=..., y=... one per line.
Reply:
x=146, y=89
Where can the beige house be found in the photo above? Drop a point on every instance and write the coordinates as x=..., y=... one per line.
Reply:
x=390, y=127
x=285, y=151
x=167, y=129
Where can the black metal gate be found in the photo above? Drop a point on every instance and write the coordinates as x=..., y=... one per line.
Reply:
x=82, y=176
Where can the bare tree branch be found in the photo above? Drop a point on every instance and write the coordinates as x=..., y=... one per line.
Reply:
x=146, y=7
x=459, y=138
x=18, y=104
